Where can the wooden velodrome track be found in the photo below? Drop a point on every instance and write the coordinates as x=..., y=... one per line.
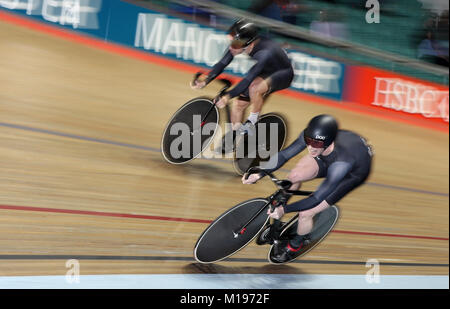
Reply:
x=81, y=175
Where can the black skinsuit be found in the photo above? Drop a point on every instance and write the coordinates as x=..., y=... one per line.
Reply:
x=272, y=62
x=344, y=169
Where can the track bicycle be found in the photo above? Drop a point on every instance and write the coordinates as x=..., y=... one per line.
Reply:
x=191, y=130
x=238, y=226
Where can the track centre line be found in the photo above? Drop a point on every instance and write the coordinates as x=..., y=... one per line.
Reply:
x=153, y=149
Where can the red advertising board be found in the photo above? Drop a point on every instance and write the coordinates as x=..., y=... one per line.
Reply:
x=398, y=96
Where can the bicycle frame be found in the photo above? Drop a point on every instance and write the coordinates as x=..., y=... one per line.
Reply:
x=282, y=185
x=227, y=84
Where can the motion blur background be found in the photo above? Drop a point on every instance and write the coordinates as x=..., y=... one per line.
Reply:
x=415, y=29
x=87, y=87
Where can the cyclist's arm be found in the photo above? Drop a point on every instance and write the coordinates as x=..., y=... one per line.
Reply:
x=280, y=158
x=255, y=70
x=336, y=172
x=219, y=67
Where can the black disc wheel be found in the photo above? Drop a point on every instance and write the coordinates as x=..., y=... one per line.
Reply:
x=223, y=237
x=264, y=238
x=188, y=132
x=324, y=222
x=251, y=151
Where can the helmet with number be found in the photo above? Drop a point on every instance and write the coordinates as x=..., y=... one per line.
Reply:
x=243, y=33
x=321, y=131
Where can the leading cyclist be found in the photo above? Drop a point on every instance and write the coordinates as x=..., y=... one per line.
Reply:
x=342, y=157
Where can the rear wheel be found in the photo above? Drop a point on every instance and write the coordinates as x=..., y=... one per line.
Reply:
x=264, y=237
x=324, y=222
x=251, y=151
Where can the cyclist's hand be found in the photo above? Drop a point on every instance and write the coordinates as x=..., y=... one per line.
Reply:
x=277, y=213
x=198, y=84
x=222, y=101
x=199, y=81
x=251, y=179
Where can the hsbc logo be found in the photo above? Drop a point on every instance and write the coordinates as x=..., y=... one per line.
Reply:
x=410, y=97
x=321, y=137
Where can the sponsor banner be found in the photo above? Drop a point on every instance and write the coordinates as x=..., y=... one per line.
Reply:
x=121, y=22
x=316, y=75
x=88, y=16
x=205, y=46
x=397, y=94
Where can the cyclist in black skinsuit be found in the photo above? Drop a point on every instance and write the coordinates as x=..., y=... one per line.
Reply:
x=342, y=157
x=272, y=72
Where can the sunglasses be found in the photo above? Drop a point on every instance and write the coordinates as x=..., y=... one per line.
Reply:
x=314, y=143
x=238, y=44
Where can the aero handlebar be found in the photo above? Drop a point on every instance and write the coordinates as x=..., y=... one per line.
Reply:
x=226, y=82
x=281, y=184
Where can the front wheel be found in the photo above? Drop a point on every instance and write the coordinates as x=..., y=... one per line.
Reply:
x=218, y=241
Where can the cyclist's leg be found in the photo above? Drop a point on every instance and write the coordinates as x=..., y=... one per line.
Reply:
x=277, y=81
x=236, y=115
x=287, y=250
x=258, y=91
x=237, y=110
x=254, y=96
x=307, y=168
x=260, y=88
x=305, y=218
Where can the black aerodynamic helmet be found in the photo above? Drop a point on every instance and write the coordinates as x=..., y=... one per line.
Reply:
x=321, y=131
x=243, y=32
